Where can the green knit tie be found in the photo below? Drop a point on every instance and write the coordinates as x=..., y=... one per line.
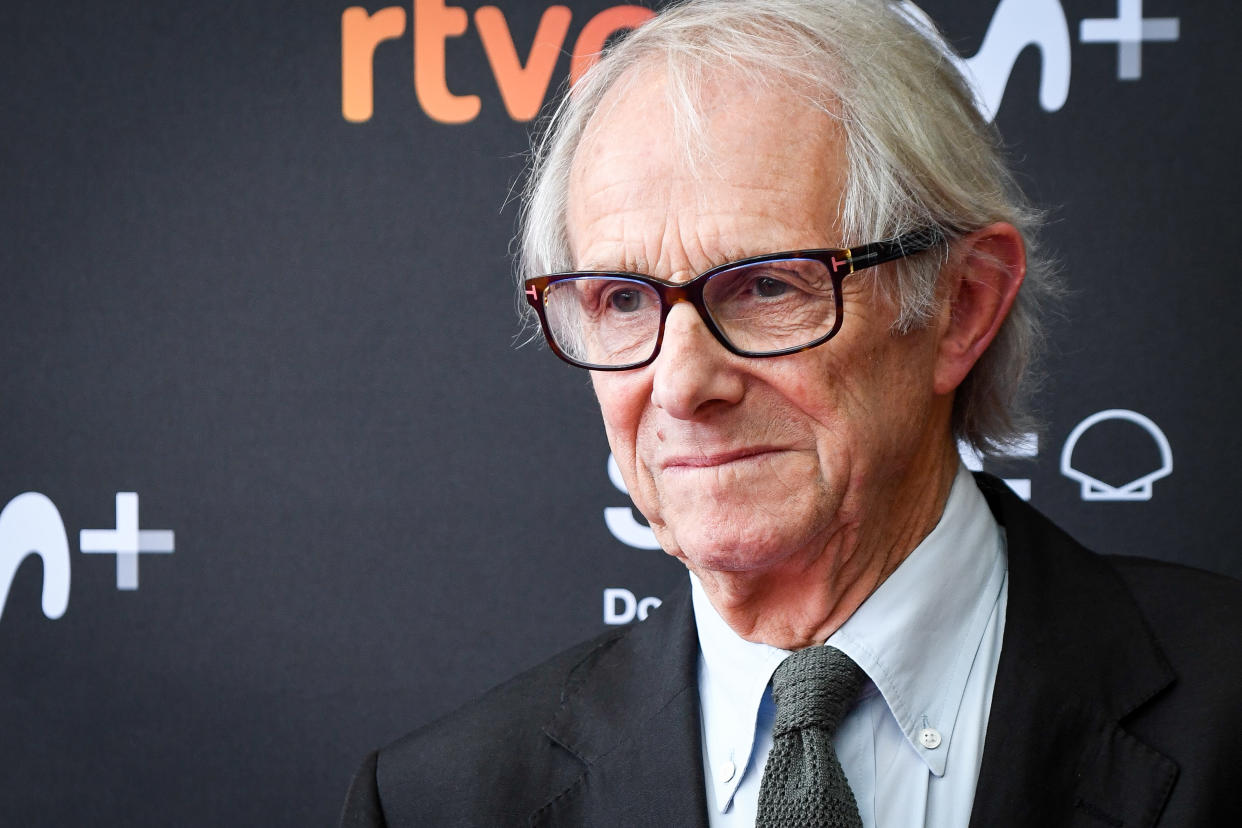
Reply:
x=803, y=784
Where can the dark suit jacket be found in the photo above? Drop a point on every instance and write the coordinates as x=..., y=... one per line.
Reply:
x=1117, y=703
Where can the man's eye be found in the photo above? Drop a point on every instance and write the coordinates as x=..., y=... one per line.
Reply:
x=768, y=288
x=626, y=301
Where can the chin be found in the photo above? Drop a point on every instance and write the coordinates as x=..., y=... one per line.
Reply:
x=732, y=550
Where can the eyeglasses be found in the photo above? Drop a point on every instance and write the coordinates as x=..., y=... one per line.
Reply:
x=764, y=306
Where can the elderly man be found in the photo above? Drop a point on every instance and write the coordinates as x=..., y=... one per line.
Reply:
x=785, y=244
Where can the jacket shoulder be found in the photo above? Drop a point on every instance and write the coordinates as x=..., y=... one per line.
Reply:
x=1119, y=685
x=1194, y=593
x=490, y=761
x=1196, y=618
x=527, y=745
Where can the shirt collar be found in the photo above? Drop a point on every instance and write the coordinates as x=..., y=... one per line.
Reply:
x=915, y=637
x=733, y=678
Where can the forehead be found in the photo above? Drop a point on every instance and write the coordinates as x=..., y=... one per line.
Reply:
x=759, y=169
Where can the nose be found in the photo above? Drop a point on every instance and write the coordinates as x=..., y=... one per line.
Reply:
x=693, y=371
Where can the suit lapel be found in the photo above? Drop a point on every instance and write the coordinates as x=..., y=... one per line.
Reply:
x=630, y=714
x=1077, y=659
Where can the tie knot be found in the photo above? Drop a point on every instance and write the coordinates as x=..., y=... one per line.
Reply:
x=813, y=688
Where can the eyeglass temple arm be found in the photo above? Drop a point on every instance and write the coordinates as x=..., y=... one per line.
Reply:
x=877, y=253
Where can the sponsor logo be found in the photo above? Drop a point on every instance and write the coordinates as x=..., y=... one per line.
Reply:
x=621, y=606
x=621, y=521
x=1026, y=448
x=1129, y=30
x=30, y=524
x=523, y=85
x=126, y=541
x=1015, y=25
x=524, y=82
x=1139, y=488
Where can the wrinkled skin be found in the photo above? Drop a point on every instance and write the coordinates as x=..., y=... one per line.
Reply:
x=792, y=486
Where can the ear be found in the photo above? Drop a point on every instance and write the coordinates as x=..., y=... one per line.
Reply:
x=984, y=272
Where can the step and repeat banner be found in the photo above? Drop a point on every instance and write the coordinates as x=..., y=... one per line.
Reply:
x=280, y=480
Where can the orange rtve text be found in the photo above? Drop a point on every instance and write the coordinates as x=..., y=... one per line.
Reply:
x=522, y=86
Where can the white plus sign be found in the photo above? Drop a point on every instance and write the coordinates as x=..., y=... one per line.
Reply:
x=126, y=541
x=1128, y=30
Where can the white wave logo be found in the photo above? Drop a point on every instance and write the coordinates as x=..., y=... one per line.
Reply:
x=1015, y=25
x=31, y=525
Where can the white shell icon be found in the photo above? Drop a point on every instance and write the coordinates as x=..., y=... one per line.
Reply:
x=1140, y=489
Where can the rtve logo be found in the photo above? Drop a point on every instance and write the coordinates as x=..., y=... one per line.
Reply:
x=1015, y=25
x=523, y=86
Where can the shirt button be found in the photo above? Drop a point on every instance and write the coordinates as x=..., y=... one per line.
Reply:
x=726, y=772
x=929, y=738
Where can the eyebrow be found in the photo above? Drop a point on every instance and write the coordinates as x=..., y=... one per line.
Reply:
x=638, y=267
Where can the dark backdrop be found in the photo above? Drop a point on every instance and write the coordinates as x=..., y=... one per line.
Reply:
x=292, y=336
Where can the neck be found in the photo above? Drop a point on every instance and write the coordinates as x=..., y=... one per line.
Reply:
x=807, y=598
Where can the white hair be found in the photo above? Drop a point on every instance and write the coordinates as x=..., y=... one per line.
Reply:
x=919, y=156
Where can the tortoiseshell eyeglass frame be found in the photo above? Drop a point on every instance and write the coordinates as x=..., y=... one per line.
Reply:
x=840, y=262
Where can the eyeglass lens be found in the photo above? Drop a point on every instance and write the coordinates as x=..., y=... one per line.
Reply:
x=769, y=306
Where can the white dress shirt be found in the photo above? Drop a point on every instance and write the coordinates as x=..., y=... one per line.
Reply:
x=929, y=640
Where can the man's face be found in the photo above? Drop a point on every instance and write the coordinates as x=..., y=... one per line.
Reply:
x=746, y=464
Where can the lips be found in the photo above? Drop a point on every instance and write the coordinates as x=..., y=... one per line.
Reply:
x=714, y=459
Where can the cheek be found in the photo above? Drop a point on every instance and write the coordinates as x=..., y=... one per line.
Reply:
x=622, y=399
x=819, y=387
x=894, y=396
x=855, y=393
